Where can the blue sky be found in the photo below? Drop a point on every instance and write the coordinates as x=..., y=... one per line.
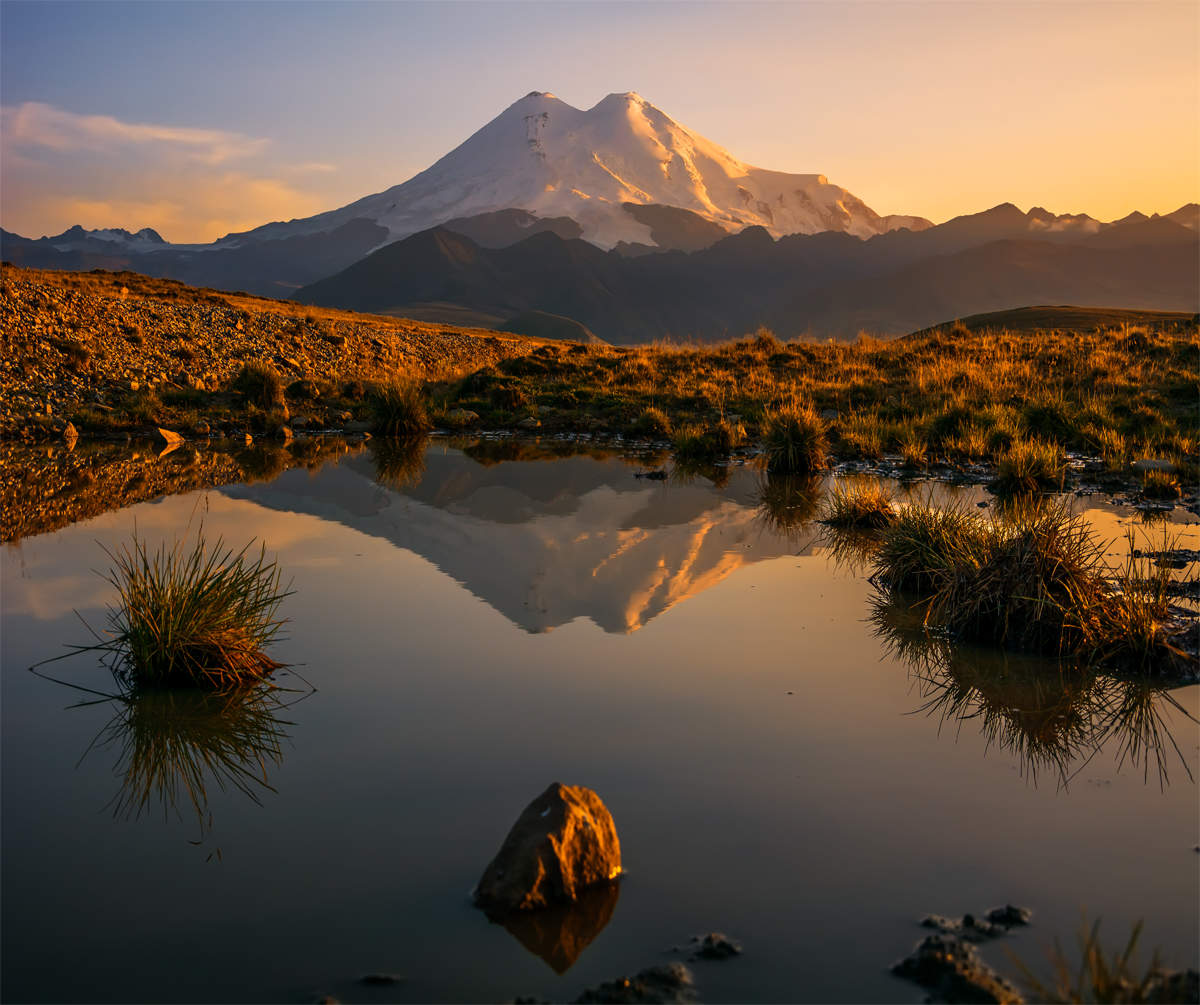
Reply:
x=264, y=111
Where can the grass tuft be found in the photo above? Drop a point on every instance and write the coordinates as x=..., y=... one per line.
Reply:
x=1034, y=579
x=193, y=615
x=860, y=505
x=398, y=409
x=261, y=384
x=1029, y=466
x=794, y=440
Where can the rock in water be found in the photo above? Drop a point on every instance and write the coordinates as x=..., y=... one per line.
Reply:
x=954, y=971
x=669, y=983
x=170, y=438
x=564, y=842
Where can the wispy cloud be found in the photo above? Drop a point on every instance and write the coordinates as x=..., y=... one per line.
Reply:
x=36, y=124
x=191, y=185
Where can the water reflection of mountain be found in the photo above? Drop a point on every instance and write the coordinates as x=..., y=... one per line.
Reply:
x=543, y=542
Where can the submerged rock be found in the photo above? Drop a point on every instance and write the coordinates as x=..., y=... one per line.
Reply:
x=716, y=946
x=967, y=927
x=992, y=925
x=1010, y=916
x=564, y=842
x=669, y=983
x=380, y=979
x=954, y=972
x=1174, y=986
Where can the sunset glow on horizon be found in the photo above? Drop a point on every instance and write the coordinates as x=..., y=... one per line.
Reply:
x=202, y=119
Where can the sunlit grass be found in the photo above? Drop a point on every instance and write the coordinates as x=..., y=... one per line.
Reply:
x=398, y=409
x=794, y=440
x=863, y=505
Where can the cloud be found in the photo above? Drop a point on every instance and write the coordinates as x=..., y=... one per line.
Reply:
x=202, y=208
x=35, y=124
x=191, y=185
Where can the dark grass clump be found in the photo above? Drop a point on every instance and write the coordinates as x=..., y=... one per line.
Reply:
x=925, y=545
x=398, y=409
x=261, y=384
x=794, y=440
x=193, y=616
x=1030, y=583
x=1029, y=466
x=1161, y=485
x=860, y=506
x=1033, y=580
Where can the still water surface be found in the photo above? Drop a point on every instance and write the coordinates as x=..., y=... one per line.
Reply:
x=775, y=770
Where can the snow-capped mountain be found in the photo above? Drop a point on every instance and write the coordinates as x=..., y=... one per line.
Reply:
x=551, y=159
x=78, y=239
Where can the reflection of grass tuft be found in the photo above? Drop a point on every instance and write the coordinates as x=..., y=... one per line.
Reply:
x=788, y=503
x=175, y=743
x=399, y=462
x=1050, y=716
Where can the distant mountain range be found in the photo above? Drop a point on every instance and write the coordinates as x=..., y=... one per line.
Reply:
x=623, y=221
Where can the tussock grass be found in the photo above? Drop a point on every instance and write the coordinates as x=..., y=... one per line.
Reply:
x=860, y=505
x=696, y=444
x=1029, y=466
x=652, y=424
x=922, y=550
x=1033, y=579
x=193, y=615
x=794, y=440
x=261, y=384
x=398, y=409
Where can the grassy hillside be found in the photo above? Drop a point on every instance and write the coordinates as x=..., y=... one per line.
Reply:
x=119, y=353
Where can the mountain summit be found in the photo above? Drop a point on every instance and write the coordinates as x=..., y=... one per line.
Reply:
x=553, y=160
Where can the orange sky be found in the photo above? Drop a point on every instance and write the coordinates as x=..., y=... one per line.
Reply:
x=203, y=119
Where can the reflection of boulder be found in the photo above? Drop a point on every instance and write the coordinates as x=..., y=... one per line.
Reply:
x=564, y=842
x=560, y=934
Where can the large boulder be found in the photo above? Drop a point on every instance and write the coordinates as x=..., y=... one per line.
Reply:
x=564, y=842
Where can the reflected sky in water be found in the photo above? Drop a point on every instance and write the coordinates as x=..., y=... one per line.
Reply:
x=477, y=631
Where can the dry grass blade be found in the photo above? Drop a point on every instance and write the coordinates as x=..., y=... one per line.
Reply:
x=1104, y=977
